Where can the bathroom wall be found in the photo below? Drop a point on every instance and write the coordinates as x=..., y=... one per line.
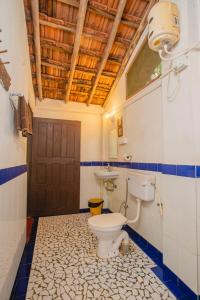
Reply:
x=143, y=130
x=90, y=118
x=162, y=126
x=142, y=121
x=12, y=146
x=180, y=147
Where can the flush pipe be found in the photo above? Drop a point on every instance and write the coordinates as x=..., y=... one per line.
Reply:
x=123, y=237
x=135, y=220
x=125, y=205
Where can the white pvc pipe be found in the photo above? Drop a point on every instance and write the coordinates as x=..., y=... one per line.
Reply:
x=133, y=221
x=122, y=237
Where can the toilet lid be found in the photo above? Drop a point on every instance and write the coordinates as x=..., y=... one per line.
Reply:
x=107, y=220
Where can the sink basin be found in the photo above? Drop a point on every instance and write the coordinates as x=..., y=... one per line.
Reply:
x=104, y=174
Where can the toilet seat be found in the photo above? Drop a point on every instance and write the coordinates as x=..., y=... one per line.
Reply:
x=107, y=222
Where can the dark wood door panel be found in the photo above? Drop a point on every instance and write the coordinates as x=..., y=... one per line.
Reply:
x=55, y=167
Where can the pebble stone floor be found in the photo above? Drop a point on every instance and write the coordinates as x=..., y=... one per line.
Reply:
x=65, y=266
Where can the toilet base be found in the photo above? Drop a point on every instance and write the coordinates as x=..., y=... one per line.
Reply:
x=104, y=249
x=109, y=247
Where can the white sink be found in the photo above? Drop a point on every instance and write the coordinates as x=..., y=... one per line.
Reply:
x=104, y=174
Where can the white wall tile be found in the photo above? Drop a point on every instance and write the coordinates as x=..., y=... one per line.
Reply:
x=12, y=230
x=187, y=268
x=166, y=130
x=143, y=128
x=90, y=186
x=150, y=222
x=170, y=253
x=179, y=222
x=13, y=146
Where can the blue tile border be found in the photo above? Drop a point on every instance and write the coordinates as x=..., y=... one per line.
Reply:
x=21, y=281
x=8, y=174
x=170, y=279
x=169, y=169
x=186, y=171
x=198, y=171
x=87, y=210
x=191, y=171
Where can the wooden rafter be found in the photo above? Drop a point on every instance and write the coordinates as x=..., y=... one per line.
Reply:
x=99, y=63
x=102, y=12
x=131, y=47
x=66, y=66
x=36, y=29
x=79, y=30
x=87, y=32
x=55, y=25
x=51, y=44
x=100, y=9
x=116, y=23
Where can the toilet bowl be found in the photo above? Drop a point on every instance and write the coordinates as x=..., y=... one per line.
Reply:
x=108, y=230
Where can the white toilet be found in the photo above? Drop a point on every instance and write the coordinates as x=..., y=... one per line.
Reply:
x=107, y=227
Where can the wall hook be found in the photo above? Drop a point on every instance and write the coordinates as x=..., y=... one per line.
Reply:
x=3, y=51
x=4, y=62
x=14, y=97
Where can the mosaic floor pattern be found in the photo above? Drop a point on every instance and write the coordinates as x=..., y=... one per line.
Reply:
x=65, y=266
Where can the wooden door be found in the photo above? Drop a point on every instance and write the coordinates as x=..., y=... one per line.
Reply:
x=54, y=168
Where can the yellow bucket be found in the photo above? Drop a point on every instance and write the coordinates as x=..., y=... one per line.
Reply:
x=95, y=205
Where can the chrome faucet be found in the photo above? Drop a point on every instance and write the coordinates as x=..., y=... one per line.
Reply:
x=108, y=167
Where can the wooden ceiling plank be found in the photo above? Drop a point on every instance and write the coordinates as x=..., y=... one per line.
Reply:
x=82, y=81
x=53, y=65
x=109, y=45
x=87, y=32
x=79, y=29
x=67, y=48
x=131, y=47
x=89, y=86
x=70, y=2
x=51, y=44
x=51, y=77
x=96, y=8
x=100, y=9
x=56, y=45
x=36, y=29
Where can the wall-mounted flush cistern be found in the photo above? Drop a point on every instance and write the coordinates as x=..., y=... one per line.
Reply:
x=142, y=187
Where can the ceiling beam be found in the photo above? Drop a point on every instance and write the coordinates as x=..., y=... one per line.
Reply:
x=79, y=29
x=111, y=39
x=36, y=29
x=66, y=67
x=56, y=25
x=87, y=32
x=67, y=48
x=131, y=47
x=97, y=10
x=102, y=10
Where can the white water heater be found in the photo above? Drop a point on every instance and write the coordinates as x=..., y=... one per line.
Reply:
x=164, y=25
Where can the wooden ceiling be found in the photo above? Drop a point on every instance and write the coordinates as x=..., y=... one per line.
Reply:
x=79, y=49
